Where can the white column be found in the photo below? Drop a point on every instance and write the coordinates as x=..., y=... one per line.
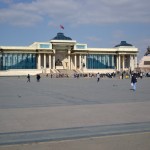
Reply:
x=85, y=61
x=119, y=62
x=131, y=62
x=112, y=60
x=44, y=61
x=68, y=61
x=39, y=61
x=80, y=61
x=71, y=62
x=135, y=61
x=75, y=61
x=53, y=61
x=50, y=62
x=123, y=62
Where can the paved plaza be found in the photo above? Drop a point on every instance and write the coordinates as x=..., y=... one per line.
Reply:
x=62, y=109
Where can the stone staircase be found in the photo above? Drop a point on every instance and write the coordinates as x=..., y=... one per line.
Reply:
x=70, y=73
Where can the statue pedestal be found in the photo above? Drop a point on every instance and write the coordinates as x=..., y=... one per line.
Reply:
x=59, y=67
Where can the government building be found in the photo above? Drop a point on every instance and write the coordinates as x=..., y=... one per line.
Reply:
x=62, y=53
x=144, y=64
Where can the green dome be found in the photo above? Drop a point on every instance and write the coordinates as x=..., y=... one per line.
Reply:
x=60, y=36
x=123, y=43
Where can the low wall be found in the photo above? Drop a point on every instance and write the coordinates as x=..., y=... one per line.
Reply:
x=24, y=72
x=99, y=70
x=20, y=72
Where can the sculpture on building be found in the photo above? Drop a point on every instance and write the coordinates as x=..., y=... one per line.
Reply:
x=58, y=63
x=148, y=51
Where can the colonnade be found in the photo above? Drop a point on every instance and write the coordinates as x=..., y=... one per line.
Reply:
x=76, y=61
x=120, y=62
x=48, y=61
x=47, y=58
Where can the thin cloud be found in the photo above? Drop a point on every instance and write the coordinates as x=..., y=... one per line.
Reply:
x=94, y=39
x=77, y=12
x=6, y=1
x=118, y=34
x=20, y=18
x=53, y=24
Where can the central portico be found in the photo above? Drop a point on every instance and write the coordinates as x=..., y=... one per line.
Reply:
x=61, y=54
x=62, y=50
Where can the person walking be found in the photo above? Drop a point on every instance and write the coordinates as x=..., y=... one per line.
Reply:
x=38, y=77
x=141, y=75
x=133, y=81
x=28, y=78
x=122, y=75
x=98, y=77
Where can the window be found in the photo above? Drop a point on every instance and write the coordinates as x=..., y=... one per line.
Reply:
x=98, y=61
x=79, y=46
x=44, y=46
x=146, y=62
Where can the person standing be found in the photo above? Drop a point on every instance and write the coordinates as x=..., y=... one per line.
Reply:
x=38, y=77
x=133, y=81
x=28, y=78
x=122, y=75
x=141, y=75
x=98, y=77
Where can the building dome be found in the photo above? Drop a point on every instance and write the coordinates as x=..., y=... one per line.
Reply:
x=60, y=36
x=123, y=43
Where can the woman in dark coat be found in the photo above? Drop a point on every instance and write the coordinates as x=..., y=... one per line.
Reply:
x=38, y=77
x=133, y=81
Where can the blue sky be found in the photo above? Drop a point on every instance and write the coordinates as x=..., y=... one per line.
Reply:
x=99, y=23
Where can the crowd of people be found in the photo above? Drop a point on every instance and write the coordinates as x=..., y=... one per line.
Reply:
x=120, y=75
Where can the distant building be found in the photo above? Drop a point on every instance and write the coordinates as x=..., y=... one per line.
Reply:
x=144, y=64
x=64, y=53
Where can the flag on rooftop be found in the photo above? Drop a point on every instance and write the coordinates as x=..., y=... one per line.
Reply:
x=62, y=27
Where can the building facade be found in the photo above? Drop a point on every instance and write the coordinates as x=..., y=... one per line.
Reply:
x=64, y=53
x=144, y=64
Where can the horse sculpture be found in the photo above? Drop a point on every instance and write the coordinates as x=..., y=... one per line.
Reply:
x=148, y=51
